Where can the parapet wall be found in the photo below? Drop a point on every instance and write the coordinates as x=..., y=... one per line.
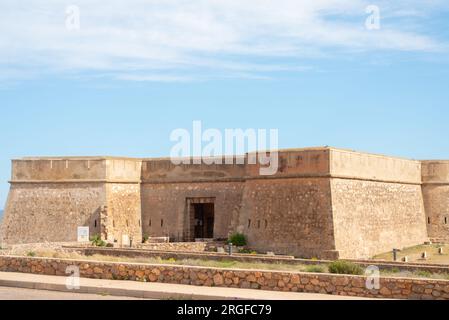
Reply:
x=36, y=170
x=363, y=166
x=75, y=169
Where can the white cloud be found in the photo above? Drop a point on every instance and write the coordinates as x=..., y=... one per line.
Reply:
x=172, y=40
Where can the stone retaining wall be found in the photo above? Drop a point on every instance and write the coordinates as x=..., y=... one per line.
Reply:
x=399, y=288
x=181, y=246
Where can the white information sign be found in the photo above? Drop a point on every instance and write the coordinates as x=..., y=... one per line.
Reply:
x=83, y=234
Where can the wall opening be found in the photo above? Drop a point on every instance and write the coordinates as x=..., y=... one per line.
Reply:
x=200, y=219
x=204, y=220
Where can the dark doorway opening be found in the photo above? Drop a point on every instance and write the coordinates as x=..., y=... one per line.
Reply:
x=204, y=220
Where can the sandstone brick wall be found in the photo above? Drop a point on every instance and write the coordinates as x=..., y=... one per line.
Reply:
x=51, y=211
x=398, y=288
x=124, y=216
x=436, y=198
x=289, y=216
x=50, y=198
x=165, y=208
x=373, y=217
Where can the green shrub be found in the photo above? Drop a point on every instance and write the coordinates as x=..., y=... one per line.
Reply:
x=345, y=267
x=31, y=254
x=145, y=238
x=238, y=239
x=315, y=269
x=96, y=241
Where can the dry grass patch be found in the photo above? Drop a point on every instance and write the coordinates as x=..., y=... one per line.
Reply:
x=414, y=254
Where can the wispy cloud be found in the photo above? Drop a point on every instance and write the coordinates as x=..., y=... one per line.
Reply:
x=174, y=40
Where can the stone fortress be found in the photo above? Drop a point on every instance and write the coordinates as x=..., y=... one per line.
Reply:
x=323, y=202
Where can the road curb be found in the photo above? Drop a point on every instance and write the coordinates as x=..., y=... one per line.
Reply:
x=107, y=291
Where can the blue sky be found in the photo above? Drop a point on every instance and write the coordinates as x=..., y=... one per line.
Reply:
x=134, y=71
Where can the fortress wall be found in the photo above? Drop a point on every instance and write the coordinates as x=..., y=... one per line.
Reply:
x=350, y=164
x=373, y=203
x=374, y=217
x=72, y=192
x=436, y=198
x=40, y=212
x=289, y=216
x=165, y=207
x=50, y=197
x=124, y=216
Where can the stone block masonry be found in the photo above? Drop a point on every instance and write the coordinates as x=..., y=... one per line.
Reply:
x=323, y=202
x=397, y=288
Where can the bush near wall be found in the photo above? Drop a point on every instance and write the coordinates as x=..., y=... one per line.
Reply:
x=238, y=239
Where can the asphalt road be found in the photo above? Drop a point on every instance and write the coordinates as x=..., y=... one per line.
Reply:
x=31, y=294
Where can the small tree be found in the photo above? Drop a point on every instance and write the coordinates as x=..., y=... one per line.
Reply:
x=238, y=239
